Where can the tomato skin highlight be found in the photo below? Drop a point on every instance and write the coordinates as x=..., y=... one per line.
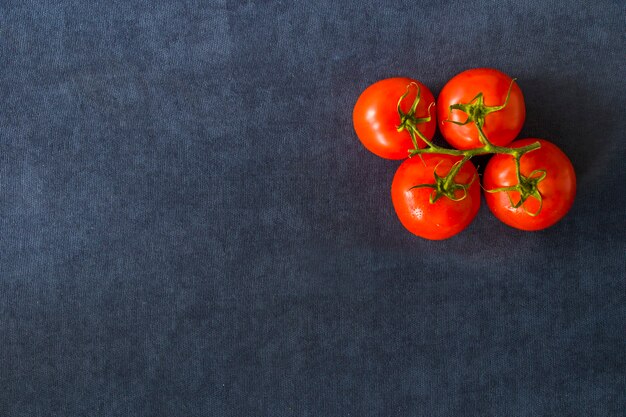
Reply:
x=501, y=127
x=444, y=218
x=376, y=119
x=558, y=189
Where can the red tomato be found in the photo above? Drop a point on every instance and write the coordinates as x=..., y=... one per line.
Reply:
x=557, y=189
x=445, y=217
x=500, y=127
x=376, y=118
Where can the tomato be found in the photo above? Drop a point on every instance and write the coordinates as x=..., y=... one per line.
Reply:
x=445, y=217
x=376, y=118
x=500, y=127
x=557, y=190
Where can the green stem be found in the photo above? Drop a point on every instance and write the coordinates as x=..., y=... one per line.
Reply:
x=449, y=178
x=487, y=149
x=518, y=173
x=483, y=137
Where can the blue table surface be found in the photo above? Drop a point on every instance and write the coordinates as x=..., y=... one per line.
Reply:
x=190, y=227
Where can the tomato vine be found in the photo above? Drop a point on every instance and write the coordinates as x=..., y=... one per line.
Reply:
x=476, y=112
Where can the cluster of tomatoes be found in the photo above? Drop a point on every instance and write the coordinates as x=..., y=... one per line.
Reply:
x=528, y=184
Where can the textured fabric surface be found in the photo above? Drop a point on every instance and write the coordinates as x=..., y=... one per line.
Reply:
x=190, y=227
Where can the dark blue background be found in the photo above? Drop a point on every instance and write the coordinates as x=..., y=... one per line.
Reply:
x=190, y=227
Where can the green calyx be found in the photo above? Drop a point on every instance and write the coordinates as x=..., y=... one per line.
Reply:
x=477, y=111
x=446, y=186
x=527, y=186
x=408, y=120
